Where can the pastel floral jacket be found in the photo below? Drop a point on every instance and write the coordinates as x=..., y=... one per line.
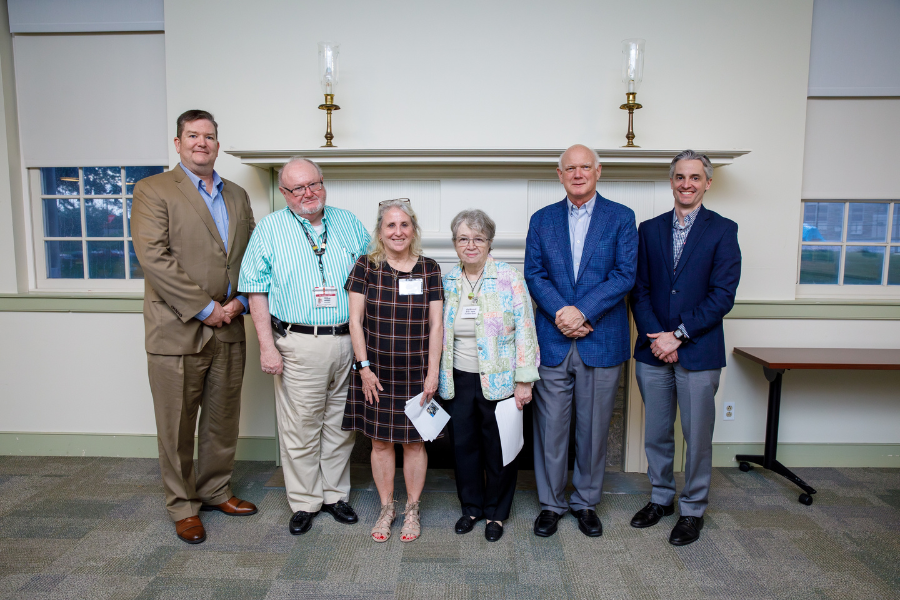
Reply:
x=507, y=342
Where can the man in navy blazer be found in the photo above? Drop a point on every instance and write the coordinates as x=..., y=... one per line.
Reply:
x=579, y=265
x=689, y=266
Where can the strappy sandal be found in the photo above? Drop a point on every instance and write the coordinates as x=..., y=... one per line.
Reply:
x=411, y=526
x=383, y=524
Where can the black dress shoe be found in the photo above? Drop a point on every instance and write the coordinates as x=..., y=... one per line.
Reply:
x=466, y=524
x=341, y=511
x=588, y=522
x=686, y=531
x=546, y=523
x=301, y=522
x=493, y=531
x=651, y=514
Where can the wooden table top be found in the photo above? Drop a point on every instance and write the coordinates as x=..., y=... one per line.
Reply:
x=823, y=358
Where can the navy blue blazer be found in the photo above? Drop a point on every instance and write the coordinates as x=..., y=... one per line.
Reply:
x=605, y=276
x=699, y=293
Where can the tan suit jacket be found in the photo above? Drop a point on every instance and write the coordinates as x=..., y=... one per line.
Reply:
x=184, y=260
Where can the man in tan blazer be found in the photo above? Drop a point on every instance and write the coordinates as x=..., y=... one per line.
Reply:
x=190, y=229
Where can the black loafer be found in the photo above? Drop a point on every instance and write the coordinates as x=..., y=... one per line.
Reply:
x=546, y=523
x=686, y=531
x=465, y=524
x=588, y=522
x=651, y=514
x=301, y=522
x=341, y=511
x=493, y=531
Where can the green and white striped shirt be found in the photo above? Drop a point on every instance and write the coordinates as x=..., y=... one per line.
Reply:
x=280, y=262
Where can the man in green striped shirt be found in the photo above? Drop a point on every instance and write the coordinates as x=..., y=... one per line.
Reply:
x=294, y=269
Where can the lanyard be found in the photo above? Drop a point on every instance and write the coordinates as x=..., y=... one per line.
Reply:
x=318, y=251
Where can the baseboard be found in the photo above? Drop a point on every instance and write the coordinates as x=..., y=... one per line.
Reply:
x=815, y=455
x=130, y=446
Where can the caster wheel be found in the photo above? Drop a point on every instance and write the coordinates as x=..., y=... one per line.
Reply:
x=746, y=467
x=805, y=499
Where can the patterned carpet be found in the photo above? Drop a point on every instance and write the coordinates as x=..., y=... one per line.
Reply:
x=96, y=528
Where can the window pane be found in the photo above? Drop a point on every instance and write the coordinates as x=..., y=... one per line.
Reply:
x=895, y=229
x=894, y=266
x=867, y=222
x=823, y=221
x=135, y=174
x=136, y=271
x=820, y=264
x=62, y=217
x=64, y=260
x=106, y=260
x=128, y=218
x=103, y=217
x=102, y=180
x=56, y=181
x=864, y=265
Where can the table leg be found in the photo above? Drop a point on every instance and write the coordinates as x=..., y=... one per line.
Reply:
x=768, y=459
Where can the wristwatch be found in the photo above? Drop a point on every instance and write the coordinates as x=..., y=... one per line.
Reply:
x=360, y=364
x=679, y=335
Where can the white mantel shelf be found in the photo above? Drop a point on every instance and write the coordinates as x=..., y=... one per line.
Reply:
x=463, y=162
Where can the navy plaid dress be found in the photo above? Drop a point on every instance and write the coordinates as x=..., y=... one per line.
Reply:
x=396, y=330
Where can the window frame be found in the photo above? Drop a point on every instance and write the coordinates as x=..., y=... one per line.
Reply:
x=42, y=282
x=842, y=290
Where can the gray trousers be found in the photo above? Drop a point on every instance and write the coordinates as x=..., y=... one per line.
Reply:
x=592, y=392
x=695, y=393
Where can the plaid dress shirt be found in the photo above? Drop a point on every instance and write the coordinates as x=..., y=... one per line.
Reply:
x=679, y=237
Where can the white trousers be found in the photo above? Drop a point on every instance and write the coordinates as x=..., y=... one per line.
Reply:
x=310, y=396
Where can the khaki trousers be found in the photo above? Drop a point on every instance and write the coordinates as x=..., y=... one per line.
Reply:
x=310, y=396
x=180, y=385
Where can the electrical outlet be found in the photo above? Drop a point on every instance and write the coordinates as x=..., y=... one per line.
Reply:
x=728, y=411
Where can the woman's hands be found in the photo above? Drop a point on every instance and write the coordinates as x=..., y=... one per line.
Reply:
x=370, y=385
x=431, y=386
x=522, y=394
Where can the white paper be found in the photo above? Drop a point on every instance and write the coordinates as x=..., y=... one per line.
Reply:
x=510, y=423
x=429, y=420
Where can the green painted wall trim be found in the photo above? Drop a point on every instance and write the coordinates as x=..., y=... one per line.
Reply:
x=131, y=446
x=743, y=309
x=815, y=455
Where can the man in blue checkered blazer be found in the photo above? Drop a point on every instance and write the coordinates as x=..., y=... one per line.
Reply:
x=579, y=265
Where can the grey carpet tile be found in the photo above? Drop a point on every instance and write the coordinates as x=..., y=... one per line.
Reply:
x=97, y=528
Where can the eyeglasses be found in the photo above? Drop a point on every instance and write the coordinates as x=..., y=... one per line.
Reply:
x=404, y=200
x=300, y=190
x=462, y=242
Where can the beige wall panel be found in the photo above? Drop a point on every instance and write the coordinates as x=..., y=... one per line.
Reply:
x=852, y=149
x=817, y=406
x=472, y=74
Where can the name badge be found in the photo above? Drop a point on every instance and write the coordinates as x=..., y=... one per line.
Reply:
x=326, y=297
x=469, y=312
x=411, y=287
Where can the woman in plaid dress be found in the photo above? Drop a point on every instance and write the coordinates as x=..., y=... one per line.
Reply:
x=396, y=304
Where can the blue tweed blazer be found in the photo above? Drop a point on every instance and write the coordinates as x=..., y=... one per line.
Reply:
x=699, y=293
x=605, y=276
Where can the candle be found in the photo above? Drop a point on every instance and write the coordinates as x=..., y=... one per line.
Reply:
x=632, y=63
x=328, y=65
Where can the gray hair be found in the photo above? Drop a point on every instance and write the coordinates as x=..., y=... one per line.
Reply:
x=692, y=155
x=297, y=159
x=476, y=220
x=591, y=150
x=376, y=251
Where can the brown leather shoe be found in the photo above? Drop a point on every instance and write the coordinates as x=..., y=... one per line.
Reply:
x=234, y=507
x=190, y=530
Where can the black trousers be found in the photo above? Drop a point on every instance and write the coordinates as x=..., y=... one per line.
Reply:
x=485, y=487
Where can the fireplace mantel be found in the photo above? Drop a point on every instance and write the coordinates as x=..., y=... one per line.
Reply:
x=344, y=163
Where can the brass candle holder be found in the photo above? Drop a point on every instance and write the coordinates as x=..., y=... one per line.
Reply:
x=328, y=107
x=630, y=105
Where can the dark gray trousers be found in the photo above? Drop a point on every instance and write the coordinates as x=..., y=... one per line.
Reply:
x=695, y=394
x=592, y=393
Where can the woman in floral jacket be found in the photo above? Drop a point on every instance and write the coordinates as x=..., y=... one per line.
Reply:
x=490, y=353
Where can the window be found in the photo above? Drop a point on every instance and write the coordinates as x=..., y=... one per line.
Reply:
x=84, y=236
x=850, y=243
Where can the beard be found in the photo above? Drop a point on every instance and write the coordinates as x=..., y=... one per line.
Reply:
x=301, y=210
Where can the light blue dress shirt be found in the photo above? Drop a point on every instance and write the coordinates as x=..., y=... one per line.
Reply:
x=216, y=205
x=579, y=222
